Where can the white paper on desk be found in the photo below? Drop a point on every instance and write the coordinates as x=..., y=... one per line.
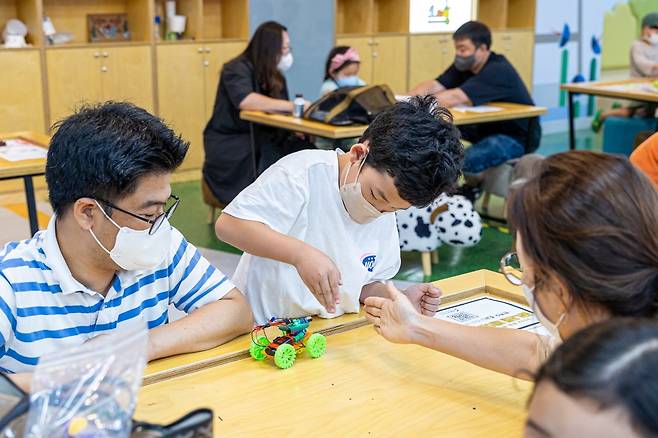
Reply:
x=476, y=109
x=492, y=312
x=20, y=150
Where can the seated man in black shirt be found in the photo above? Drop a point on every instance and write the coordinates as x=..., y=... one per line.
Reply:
x=479, y=76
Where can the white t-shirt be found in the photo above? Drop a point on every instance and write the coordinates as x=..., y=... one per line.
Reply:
x=298, y=196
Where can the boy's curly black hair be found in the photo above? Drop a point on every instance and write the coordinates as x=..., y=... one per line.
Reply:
x=418, y=145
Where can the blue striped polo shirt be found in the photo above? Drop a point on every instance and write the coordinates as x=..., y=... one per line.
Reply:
x=43, y=308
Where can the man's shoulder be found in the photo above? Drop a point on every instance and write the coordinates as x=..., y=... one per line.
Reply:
x=24, y=260
x=306, y=161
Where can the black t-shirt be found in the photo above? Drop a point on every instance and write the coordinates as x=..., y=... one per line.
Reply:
x=236, y=82
x=498, y=81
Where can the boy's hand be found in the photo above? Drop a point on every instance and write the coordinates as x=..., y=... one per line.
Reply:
x=425, y=298
x=320, y=274
x=394, y=318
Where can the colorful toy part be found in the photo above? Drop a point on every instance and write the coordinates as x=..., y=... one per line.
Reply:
x=294, y=338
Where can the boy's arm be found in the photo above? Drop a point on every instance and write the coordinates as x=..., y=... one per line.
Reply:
x=315, y=268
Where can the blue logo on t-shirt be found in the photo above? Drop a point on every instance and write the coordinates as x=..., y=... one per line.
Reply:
x=369, y=262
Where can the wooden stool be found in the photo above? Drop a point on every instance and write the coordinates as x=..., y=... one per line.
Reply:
x=210, y=200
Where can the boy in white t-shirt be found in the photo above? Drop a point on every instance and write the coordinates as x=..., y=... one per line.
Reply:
x=318, y=227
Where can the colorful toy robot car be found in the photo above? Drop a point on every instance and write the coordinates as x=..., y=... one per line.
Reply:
x=295, y=337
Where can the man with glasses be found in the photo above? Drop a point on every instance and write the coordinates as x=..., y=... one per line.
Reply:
x=109, y=259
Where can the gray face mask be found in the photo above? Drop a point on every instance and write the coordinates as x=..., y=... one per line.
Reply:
x=464, y=63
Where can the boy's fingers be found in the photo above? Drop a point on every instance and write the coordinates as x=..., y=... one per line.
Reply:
x=328, y=296
x=375, y=302
x=373, y=311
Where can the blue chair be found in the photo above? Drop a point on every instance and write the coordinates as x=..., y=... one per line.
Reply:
x=619, y=133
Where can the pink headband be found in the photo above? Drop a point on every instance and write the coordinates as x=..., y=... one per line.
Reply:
x=341, y=58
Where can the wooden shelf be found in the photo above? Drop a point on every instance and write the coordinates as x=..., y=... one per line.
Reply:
x=28, y=11
x=391, y=16
x=521, y=14
x=493, y=13
x=71, y=16
x=354, y=17
x=225, y=19
x=98, y=45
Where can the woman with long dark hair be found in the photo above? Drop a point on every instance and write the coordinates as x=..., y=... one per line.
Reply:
x=586, y=251
x=252, y=81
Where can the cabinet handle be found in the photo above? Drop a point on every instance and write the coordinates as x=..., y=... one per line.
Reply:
x=375, y=55
x=506, y=38
x=97, y=54
x=104, y=69
x=206, y=63
x=207, y=50
x=200, y=50
x=105, y=54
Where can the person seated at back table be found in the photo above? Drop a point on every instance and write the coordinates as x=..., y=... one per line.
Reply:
x=479, y=76
x=109, y=259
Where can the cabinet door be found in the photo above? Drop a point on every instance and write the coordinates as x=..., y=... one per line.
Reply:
x=127, y=75
x=216, y=55
x=181, y=95
x=21, y=104
x=74, y=77
x=364, y=46
x=429, y=56
x=518, y=48
x=390, y=62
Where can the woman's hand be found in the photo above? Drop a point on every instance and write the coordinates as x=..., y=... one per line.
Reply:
x=395, y=318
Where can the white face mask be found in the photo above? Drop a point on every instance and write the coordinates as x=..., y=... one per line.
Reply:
x=552, y=328
x=653, y=39
x=359, y=209
x=285, y=62
x=137, y=249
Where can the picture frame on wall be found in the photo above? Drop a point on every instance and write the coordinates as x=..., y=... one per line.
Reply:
x=104, y=28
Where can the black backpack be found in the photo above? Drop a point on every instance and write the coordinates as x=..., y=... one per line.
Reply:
x=351, y=105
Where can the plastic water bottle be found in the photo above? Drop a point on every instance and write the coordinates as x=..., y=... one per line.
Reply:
x=298, y=106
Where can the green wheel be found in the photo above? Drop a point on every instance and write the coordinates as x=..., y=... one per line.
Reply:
x=285, y=356
x=316, y=345
x=257, y=349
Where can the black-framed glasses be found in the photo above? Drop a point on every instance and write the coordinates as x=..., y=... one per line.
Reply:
x=155, y=223
x=511, y=268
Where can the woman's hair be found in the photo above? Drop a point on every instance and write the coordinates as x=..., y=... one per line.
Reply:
x=338, y=50
x=590, y=221
x=613, y=364
x=264, y=53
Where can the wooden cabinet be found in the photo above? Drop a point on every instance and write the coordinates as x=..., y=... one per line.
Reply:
x=188, y=75
x=74, y=77
x=518, y=48
x=21, y=104
x=429, y=56
x=383, y=59
x=389, y=62
x=127, y=75
x=80, y=75
x=181, y=95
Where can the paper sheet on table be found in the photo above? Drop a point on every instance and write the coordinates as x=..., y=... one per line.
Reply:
x=476, y=109
x=20, y=150
x=492, y=312
x=648, y=87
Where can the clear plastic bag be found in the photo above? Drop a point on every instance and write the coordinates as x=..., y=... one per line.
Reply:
x=90, y=390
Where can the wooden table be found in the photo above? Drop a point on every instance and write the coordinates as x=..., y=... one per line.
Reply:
x=630, y=89
x=285, y=121
x=26, y=169
x=510, y=111
x=363, y=386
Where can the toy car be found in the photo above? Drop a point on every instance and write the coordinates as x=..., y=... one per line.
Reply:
x=294, y=338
